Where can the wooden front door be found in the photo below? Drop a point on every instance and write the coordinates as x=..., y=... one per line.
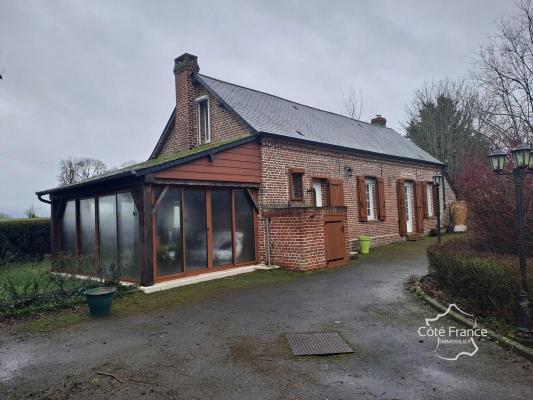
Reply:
x=335, y=240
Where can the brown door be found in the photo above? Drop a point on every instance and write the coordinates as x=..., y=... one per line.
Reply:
x=335, y=241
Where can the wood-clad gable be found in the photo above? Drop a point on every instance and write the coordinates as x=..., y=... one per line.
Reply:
x=238, y=164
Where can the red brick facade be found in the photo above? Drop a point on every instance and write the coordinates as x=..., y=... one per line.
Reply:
x=223, y=123
x=297, y=236
x=279, y=155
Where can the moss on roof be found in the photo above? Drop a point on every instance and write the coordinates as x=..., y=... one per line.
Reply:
x=152, y=163
x=185, y=153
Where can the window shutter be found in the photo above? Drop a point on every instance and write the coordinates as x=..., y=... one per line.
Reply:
x=425, y=199
x=419, y=208
x=382, y=214
x=402, y=218
x=361, y=199
x=336, y=193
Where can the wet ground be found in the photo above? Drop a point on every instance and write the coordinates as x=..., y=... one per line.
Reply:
x=231, y=346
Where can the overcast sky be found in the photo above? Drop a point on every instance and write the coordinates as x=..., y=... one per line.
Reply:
x=94, y=78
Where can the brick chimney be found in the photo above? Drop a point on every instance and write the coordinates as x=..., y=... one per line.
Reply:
x=379, y=121
x=183, y=136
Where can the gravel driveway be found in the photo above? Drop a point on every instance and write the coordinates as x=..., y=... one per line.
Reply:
x=232, y=346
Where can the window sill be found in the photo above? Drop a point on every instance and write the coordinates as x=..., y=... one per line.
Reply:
x=372, y=221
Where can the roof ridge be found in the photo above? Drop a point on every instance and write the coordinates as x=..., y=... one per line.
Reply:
x=295, y=102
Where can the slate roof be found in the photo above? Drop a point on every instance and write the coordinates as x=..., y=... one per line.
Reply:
x=266, y=113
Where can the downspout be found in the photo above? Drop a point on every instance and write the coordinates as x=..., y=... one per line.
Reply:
x=268, y=242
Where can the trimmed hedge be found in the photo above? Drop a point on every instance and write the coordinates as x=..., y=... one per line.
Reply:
x=24, y=239
x=488, y=282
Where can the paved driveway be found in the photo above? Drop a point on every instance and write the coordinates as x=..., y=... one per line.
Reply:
x=231, y=346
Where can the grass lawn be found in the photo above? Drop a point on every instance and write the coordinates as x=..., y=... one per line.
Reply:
x=28, y=277
x=20, y=274
x=138, y=302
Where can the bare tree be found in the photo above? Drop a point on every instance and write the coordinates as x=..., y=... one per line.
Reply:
x=74, y=169
x=504, y=73
x=443, y=119
x=353, y=104
x=31, y=212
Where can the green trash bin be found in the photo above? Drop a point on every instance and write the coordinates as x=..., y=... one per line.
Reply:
x=364, y=244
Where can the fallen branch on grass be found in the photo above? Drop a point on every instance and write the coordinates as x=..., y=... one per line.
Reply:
x=111, y=375
x=122, y=380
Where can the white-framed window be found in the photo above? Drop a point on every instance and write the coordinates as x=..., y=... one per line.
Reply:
x=370, y=186
x=429, y=197
x=317, y=188
x=204, y=128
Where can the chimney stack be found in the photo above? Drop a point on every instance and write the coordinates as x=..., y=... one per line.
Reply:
x=379, y=121
x=186, y=61
x=184, y=137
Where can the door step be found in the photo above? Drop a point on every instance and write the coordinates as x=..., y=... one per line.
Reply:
x=414, y=237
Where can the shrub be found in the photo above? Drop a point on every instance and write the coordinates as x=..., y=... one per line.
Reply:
x=491, y=202
x=489, y=283
x=24, y=239
x=26, y=288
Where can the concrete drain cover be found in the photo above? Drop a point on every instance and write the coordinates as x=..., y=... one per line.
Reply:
x=317, y=343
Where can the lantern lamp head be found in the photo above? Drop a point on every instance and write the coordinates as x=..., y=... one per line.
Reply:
x=521, y=155
x=437, y=180
x=497, y=160
x=348, y=171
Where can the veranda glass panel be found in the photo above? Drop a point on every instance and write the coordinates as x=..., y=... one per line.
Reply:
x=87, y=235
x=68, y=228
x=244, y=228
x=222, y=235
x=107, y=214
x=169, y=233
x=194, y=221
x=128, y=236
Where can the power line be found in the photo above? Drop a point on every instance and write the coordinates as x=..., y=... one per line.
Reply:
x=28, y=162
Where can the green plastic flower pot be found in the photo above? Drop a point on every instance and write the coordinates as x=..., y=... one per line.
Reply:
x=364, y=244
x=99, y=300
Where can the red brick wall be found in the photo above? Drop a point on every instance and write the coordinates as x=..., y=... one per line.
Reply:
x=223, y=123
x=278, y=155
x=297, y=236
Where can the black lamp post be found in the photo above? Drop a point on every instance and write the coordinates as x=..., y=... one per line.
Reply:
x=437, y=180
x=522, y=161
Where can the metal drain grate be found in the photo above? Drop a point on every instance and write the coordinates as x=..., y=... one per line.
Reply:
x=317, y=343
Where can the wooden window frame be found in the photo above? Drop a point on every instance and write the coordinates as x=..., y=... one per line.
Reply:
x=377, y=198
x=77, y=240
x=324, y=188
x=199, y=101
x=371, y=198
x=210, y=267
x=292, y=172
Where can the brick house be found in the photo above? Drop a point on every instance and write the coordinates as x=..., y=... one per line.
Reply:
x=240, y=177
